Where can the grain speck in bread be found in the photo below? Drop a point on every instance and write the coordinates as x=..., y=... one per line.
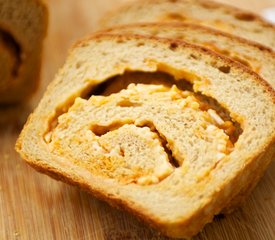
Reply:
x=161, y=151
x=23, y=25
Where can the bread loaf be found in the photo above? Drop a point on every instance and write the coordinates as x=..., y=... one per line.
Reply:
x=23, y=25
x=215, y=15
x=169, y=131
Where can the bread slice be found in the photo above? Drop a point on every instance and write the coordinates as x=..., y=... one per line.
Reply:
x=216, y=15
x=23, y=26
x=254, y=56
x=174, y=145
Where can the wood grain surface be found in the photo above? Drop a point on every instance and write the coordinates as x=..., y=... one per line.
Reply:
x=34, y=206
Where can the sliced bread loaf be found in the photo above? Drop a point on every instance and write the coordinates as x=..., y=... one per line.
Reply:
x=212, y=14
x=23, y=27
x=182, y=135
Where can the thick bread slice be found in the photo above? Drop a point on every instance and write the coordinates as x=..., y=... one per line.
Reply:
x=23, y=26
x=216, y=15
x=157, y=150
x=256, y=57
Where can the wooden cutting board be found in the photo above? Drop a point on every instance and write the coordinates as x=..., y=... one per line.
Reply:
x=34, y=206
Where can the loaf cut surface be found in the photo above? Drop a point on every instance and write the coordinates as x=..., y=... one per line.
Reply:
x=144, y=125
x=215, y=15
x=23, y=26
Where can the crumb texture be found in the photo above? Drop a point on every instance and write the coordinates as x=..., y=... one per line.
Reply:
x=125, y=140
